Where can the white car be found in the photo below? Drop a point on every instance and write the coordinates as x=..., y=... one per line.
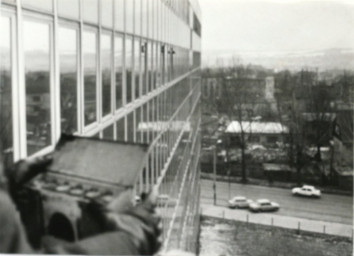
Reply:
x=263, y=205
x=239, y=202
x=306, y=190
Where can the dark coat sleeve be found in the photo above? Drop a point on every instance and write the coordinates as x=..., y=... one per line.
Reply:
x=12, y=235
x=131, y=239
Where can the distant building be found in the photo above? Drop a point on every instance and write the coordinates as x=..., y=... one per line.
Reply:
x=342, y=149
x=264, y=133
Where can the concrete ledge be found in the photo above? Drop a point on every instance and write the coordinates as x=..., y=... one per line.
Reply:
x=268, y=219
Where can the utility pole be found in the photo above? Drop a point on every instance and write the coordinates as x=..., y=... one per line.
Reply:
x=214, y=171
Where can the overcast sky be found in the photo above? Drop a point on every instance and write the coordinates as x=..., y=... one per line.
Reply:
x=273, y=26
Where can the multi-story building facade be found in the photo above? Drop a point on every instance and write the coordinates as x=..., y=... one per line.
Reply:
x=115, y=69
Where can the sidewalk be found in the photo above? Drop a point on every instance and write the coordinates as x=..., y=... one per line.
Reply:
x=278, y=220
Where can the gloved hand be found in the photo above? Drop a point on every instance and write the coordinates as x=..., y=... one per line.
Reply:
x=140, y=222
x=25, y=170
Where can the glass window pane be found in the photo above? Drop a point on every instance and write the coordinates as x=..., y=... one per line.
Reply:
x=106, y=53
x=45, y=5
x=90, y=9
x=107, y=13
x=150, y=18
x=129, y=67
x=144, y=75
x=121, y=129
x=129, y=16
x=119, y=15
x=37, y=80
x=118, y=58
x=158, y=66
x=6, y=92
x=9, y=1
x=144, y=17
x=139, y=135
x=130, y=127
x=137, y=66
x=90, y=76
x=145, y=123
x=68, y=8
x=152, y=66
x=137, y=17
x=68, y=79
x=108, y=133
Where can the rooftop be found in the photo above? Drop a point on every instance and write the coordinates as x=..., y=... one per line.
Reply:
x=256, y=127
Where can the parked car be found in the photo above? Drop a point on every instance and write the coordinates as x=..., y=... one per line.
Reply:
x=239, y=202
x=306, y=190
x=263, y=205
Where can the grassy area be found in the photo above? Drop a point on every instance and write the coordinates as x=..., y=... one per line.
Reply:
x=244, y=239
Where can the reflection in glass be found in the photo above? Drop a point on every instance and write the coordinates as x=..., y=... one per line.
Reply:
x=5, y=92
x=68, y=8
x=150, y=17
x=107, y=13
x=9, y=1
x=138, y=125
x=144, y=59
x=121, y=129
x=137, y=17
x=130, y=125
x=68, y=79
x=144, y=17
x=106, y=53
x=90, y=9
x=37, y=82
x=129, y=17
x=44, y=5
x=129, y=67
x=137, y=67
x=119, y=15
x=145, y=121
x=108, y=133
x=158, y=66
x=152, y=67
x=90, y=77
x=118, y=59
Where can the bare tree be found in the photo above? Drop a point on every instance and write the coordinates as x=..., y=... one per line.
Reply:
x=237, y=102
x=290, y=114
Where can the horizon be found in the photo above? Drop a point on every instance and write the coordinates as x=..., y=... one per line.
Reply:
x=269, y=27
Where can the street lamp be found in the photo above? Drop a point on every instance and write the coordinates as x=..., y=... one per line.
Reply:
x=214, y=172
x=214, y=167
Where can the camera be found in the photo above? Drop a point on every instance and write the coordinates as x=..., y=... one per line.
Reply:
x=84, y=170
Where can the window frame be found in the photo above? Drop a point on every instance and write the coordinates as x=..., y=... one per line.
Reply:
x=79, y=83
x=89, y=127
x=10, y=14
x=112, y=79
x=46, y=20
x=121, y=37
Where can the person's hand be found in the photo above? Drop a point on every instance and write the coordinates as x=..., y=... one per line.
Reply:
x=145, y=211
x=140, y=222
x=25, y=170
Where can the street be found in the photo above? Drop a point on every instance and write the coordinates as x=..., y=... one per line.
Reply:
x=329, y=208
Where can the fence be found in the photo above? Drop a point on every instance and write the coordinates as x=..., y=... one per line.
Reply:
x=274, y=220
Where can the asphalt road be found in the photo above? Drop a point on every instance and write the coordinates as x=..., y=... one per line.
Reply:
x=330, y=208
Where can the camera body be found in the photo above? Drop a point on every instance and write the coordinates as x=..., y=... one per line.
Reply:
x=57, y=205
x=84, y=170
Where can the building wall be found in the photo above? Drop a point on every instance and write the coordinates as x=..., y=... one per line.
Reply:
x=104, y=68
